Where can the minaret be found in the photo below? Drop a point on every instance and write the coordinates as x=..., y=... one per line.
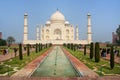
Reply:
x=41, y=32
x=77, y=33
x=89, y=33
x=25, y=37
x=37, y=32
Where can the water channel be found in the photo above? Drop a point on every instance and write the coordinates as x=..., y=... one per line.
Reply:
x=55, y=64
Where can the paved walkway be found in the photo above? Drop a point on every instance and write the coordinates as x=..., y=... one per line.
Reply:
x=116, y=59
x=10, y=55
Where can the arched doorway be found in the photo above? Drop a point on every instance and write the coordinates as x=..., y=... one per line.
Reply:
x=57, y=34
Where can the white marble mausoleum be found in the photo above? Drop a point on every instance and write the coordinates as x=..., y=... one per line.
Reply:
x=57, y=31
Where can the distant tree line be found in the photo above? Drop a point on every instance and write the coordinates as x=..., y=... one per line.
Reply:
x=10, y=40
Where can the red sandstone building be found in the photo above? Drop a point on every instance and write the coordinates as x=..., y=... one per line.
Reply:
x=0, y=35
x=114, y=38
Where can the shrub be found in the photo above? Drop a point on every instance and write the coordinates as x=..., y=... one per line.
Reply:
x=97, y=54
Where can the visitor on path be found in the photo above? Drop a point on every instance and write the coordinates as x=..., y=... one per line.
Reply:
x=15, y=51
x=7, y=50
x=4, y=51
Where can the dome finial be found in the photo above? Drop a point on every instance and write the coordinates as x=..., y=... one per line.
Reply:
x=57, y=9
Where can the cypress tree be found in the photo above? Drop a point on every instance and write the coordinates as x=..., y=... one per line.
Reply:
x=36, y=48
x=84, y=50
x=112, y=58
x=28, y=50
x=71, y=46
x=39, y=47
x=97, y=52
x=68, y=45
x=46, y=45
x=65, y=44
x=20, y=52
x=91, y=50
x=74, y=46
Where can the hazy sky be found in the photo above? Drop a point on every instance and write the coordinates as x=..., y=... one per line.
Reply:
x=105, y=16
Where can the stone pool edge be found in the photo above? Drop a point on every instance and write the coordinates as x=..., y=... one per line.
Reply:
x=81, y=68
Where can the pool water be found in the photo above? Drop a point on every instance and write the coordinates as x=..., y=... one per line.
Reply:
x=55, y=64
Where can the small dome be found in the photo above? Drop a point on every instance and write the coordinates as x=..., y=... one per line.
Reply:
x=48, y=22
x=25, y=14
x=88, y=14
x=66, y=22
x=57, y=16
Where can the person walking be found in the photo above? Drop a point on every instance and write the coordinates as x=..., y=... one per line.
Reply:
x=15, y=51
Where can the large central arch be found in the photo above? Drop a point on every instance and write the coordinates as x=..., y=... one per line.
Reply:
x=57, y=34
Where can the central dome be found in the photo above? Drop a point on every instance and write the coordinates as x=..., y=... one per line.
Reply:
x=57, y=16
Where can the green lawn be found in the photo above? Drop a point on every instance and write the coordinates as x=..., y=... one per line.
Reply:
x=103, y=65
x=11, y=66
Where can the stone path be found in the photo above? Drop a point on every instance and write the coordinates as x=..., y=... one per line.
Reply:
x=10, y=55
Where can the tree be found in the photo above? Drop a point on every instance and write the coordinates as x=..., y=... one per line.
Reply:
x=28, y=50
x=39, y=47
x=10, y=40
x=112, y=58
x=97, y=52
x=91, y=50
x=46, y=45
x=72, y=46
x=84, y=50
x=20, y=52
x=2, y=42
x=36, y=48
x=118, y=33
x=64, y=44
x=68, y=45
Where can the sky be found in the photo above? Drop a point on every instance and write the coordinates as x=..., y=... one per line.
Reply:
x=105, y=16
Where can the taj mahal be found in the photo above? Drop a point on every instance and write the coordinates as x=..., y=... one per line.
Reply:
x=57, y=31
